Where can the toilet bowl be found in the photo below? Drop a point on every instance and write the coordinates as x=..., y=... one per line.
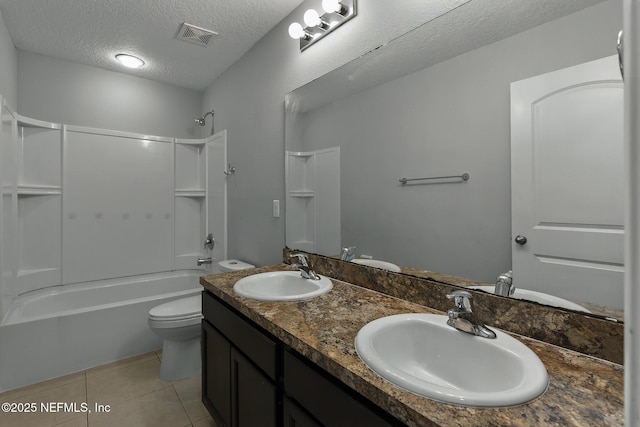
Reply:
x=178, y=323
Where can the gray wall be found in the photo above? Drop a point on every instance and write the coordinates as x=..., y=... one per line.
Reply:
x=248, y=99
x=65, y=92
x=8, y=67
x=444, y=120
x=249, y=102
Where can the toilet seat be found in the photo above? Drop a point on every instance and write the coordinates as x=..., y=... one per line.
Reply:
x=177, y=313
x=184, y=308
x=175, y=323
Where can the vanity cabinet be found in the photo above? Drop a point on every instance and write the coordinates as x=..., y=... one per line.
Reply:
x=239, y=382
x=294, y=416
x=320, y=395
x=251, y=379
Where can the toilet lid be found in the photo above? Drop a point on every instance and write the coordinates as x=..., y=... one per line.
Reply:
x=178, y=309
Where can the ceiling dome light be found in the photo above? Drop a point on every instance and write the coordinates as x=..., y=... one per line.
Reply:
x=331, y=6
x=296, y=31
x=312, y=18
x=129, y=61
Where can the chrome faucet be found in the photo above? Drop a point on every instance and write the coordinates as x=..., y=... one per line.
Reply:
x=304, y=265
x=347, y=253
x=463, y=319
x=504, y=285
x=204, y=261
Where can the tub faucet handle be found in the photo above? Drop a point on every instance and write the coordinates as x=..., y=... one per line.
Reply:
x=210, y=242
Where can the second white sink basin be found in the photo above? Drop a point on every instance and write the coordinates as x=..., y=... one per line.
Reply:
x=377, y=264
x=421, y=353
x=540, y=297
x=281, y=286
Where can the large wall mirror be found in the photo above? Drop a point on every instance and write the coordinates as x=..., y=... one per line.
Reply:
x=439, y=102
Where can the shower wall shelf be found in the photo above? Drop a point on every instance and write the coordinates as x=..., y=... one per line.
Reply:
x=197, y=143
x=32, y=190
x=191, y=192
x=313, y=200
x=301, y=193
x=189, y=202
x=39, y=190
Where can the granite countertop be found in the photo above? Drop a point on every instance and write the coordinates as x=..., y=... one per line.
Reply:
x=601, y=310
x=583, y=391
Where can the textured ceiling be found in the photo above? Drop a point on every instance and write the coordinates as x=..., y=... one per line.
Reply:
x=93, y=31
x=471, y=25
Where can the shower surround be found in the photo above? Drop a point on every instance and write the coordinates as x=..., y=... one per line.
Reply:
x=88, y=214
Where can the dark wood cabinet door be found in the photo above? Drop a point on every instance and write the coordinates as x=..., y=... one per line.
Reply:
x=216, y=371
x=296, y=417
x=254, y=398
x=329, y=403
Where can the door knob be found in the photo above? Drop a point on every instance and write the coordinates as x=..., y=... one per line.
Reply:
x=521, y=240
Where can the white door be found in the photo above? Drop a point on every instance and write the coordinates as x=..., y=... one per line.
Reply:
x=216, y=194
x=567, y=183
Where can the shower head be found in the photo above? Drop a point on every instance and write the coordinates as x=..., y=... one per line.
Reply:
x=200, y=120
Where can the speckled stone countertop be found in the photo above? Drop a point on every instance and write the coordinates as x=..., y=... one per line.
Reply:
x=583, y=391
x=597, y=309
x=591, y=335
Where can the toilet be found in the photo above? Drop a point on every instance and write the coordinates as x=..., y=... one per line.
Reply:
x=178, y=323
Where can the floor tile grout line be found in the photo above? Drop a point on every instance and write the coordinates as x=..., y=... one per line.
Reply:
x=42, y=390
x=121, y=361
x=184, y=408
x=86, y=396
x=143, y=395
x=85, y=373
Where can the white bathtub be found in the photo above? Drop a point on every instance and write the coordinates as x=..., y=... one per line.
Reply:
x=65, y=329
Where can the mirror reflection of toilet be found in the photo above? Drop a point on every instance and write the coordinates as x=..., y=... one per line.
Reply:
x=178, y=323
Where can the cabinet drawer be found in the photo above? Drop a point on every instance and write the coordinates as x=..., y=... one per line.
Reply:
x=326, y=401
x=244, y=336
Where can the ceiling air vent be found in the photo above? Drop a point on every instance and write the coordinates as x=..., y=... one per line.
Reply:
x=196, y=35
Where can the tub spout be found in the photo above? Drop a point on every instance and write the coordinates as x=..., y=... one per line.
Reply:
x=204, y=261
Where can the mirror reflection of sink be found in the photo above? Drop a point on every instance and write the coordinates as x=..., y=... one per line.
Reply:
x=377, y=264
x=281, y=286
x=421, y=353
x=539, y=297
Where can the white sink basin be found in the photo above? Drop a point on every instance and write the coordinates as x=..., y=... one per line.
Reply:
x=421, y=353
x=540, y=297
x=281, y=286
x=377, y=264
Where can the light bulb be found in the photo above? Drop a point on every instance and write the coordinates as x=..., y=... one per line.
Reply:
x=311, y=18
x=331, y=6
x=296, y=31
x=129, y=60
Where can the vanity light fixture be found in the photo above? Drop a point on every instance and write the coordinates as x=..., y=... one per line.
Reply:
x=337, y=12
x=129, y=61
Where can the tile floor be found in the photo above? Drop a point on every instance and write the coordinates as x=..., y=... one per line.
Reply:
x=132, y=389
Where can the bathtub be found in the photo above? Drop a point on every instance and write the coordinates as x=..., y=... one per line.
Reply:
x=65, y=329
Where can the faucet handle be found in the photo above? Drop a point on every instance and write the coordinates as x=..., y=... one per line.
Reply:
x=347, y=253
x=302, y=258
x=210, y=242
x=461, y=299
